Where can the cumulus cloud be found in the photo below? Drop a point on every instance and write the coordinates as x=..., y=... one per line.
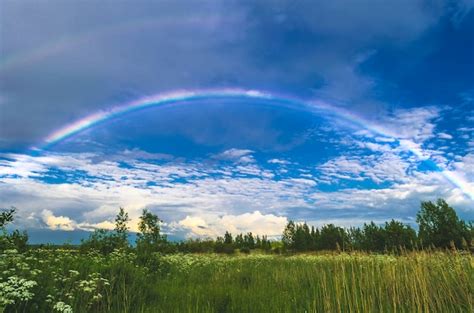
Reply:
x=61, y=222
x=214, y=225
x=57, y=222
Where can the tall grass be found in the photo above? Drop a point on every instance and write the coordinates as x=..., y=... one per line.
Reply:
x=415, y=282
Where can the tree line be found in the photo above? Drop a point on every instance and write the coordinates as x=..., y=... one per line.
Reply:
x=438, y=227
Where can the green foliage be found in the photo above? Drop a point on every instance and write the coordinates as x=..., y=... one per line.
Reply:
x=249, y=241
x=228, y=238
x=439, y=225
x=107, y=275
x=121, y=228
x=288, y=237
x=58, y=280
x=101, y=240
x=220, y=246
x=302, y=240
x=19, y=240
x=332, y=238
x=150, y=239
x=6, y=216
x=239, y=241
x=373, y=237
x=106, y=241
x=14, y=240
x=198, y=245
x=399, y=236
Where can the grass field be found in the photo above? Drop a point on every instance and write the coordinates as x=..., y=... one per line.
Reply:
x=66, y=281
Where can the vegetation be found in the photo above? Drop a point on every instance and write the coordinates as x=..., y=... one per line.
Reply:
x=16, y=239
x=431, y=271
x=439, y=227
x=67, y=281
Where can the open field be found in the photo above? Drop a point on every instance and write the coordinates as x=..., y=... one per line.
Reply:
x=67, y=281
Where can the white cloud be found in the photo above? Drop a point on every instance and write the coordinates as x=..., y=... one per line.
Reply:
x=375, y=146
x=214, y=225
x=416, y=124
x=101, y=225
x=91, y=202
x=304, y=181
x=236, y=155
x=61, y=222
x=209, y=193
x=444, y=136
x=384, y=139
x=278, y=161
x=387, y=167
x=57, y=222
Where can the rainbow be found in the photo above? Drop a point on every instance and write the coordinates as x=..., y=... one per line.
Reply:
x=181, y=96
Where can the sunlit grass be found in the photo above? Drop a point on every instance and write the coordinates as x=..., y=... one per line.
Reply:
x=415, y=282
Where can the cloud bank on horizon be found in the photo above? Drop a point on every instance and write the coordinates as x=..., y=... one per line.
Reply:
x=235, y=163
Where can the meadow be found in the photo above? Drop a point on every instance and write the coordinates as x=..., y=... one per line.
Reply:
x=66, y=280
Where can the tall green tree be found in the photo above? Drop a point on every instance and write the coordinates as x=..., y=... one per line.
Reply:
x=121, y=228
x=373, y=237
x=288, y=237
x=333, y=237
x=149, y=238
x=302, y=238
x=440, y=226
x=228, y=238
x=315, y=238
x=399, y=236
x=355, y=238
x=239, y=241
x=249, y=241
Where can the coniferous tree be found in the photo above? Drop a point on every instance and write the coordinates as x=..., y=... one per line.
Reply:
x=302, y=238
x=289, y=235
x=239, y=241
x=266, y=244
x=332, y=237
x=249, y=241
x=228, y=238
x=315, y=238
x=355, y=238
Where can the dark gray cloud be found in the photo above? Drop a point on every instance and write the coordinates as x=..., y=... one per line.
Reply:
x=63, y=60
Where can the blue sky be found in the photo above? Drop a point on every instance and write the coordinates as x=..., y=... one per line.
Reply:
x=403, y=71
